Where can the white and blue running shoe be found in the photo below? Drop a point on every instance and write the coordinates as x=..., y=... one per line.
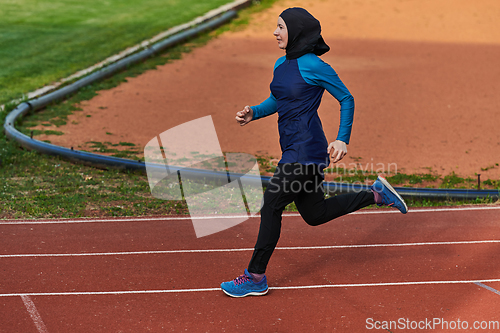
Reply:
x=244, y=285
x=389, y=195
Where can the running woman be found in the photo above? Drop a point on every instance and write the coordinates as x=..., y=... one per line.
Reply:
x=299, y=81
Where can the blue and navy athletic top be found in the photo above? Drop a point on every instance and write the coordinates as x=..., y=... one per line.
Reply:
x=296, y=91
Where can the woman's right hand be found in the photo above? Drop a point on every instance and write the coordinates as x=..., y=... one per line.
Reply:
x=244, y=116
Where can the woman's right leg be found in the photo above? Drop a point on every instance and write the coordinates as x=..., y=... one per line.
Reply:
x=284, y=187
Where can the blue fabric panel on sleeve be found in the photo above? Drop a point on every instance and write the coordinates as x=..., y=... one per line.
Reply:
x=317, y=72
x=264, y=109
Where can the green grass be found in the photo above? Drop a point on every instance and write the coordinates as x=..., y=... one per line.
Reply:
x=44, y=41
x=46, y=187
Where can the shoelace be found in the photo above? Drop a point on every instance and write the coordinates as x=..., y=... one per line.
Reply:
x=241, y=279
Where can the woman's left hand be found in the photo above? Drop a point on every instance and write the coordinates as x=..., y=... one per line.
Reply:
x=337, y=150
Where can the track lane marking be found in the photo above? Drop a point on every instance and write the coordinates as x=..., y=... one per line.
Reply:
x=182, y=218
x=487, y=287
x=319, y=286
x=35, y=316
x=326, y=247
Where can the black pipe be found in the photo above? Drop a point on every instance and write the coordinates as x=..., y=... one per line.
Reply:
x=418, y=193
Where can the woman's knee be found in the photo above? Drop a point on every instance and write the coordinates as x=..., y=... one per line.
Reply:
x=312, y=219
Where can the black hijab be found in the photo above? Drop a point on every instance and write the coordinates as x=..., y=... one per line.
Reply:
x=304, y=33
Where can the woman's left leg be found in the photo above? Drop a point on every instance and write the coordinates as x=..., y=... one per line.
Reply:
x=316, y=210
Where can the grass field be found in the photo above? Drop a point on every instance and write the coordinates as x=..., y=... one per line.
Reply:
x=62, y=34
x=44, y=41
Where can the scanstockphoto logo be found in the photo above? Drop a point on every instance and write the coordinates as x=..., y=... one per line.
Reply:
x=186, y=162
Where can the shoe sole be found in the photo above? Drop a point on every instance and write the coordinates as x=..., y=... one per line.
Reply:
x=253, y=293
x=393, y=191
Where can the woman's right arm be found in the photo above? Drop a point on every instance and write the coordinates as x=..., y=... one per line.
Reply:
x=244, y=116
x=264, y=109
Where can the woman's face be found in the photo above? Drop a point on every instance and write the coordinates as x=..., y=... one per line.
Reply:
x=281, y=34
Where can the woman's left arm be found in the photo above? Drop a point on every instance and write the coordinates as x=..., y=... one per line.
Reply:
x=319, y=73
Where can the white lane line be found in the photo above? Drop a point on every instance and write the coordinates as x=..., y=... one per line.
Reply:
x=183, y=218
x=426, y=210
x=129, y=219
x=382, y=284
x=35, y=316
x=319, y=286
x=487, y=287
x=326, y=247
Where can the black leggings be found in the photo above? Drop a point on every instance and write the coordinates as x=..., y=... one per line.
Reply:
x=303, y=185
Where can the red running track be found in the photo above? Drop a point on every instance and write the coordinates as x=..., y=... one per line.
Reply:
x=433, y=268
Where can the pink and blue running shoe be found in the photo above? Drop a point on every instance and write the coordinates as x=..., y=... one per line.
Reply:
x=389, y=195
x=244, y=285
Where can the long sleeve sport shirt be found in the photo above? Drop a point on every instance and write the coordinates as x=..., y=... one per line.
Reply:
x=296, y=91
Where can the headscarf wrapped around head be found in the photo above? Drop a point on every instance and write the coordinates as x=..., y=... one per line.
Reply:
x=304, y=33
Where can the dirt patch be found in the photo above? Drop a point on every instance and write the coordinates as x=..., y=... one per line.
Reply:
x=424, y=76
